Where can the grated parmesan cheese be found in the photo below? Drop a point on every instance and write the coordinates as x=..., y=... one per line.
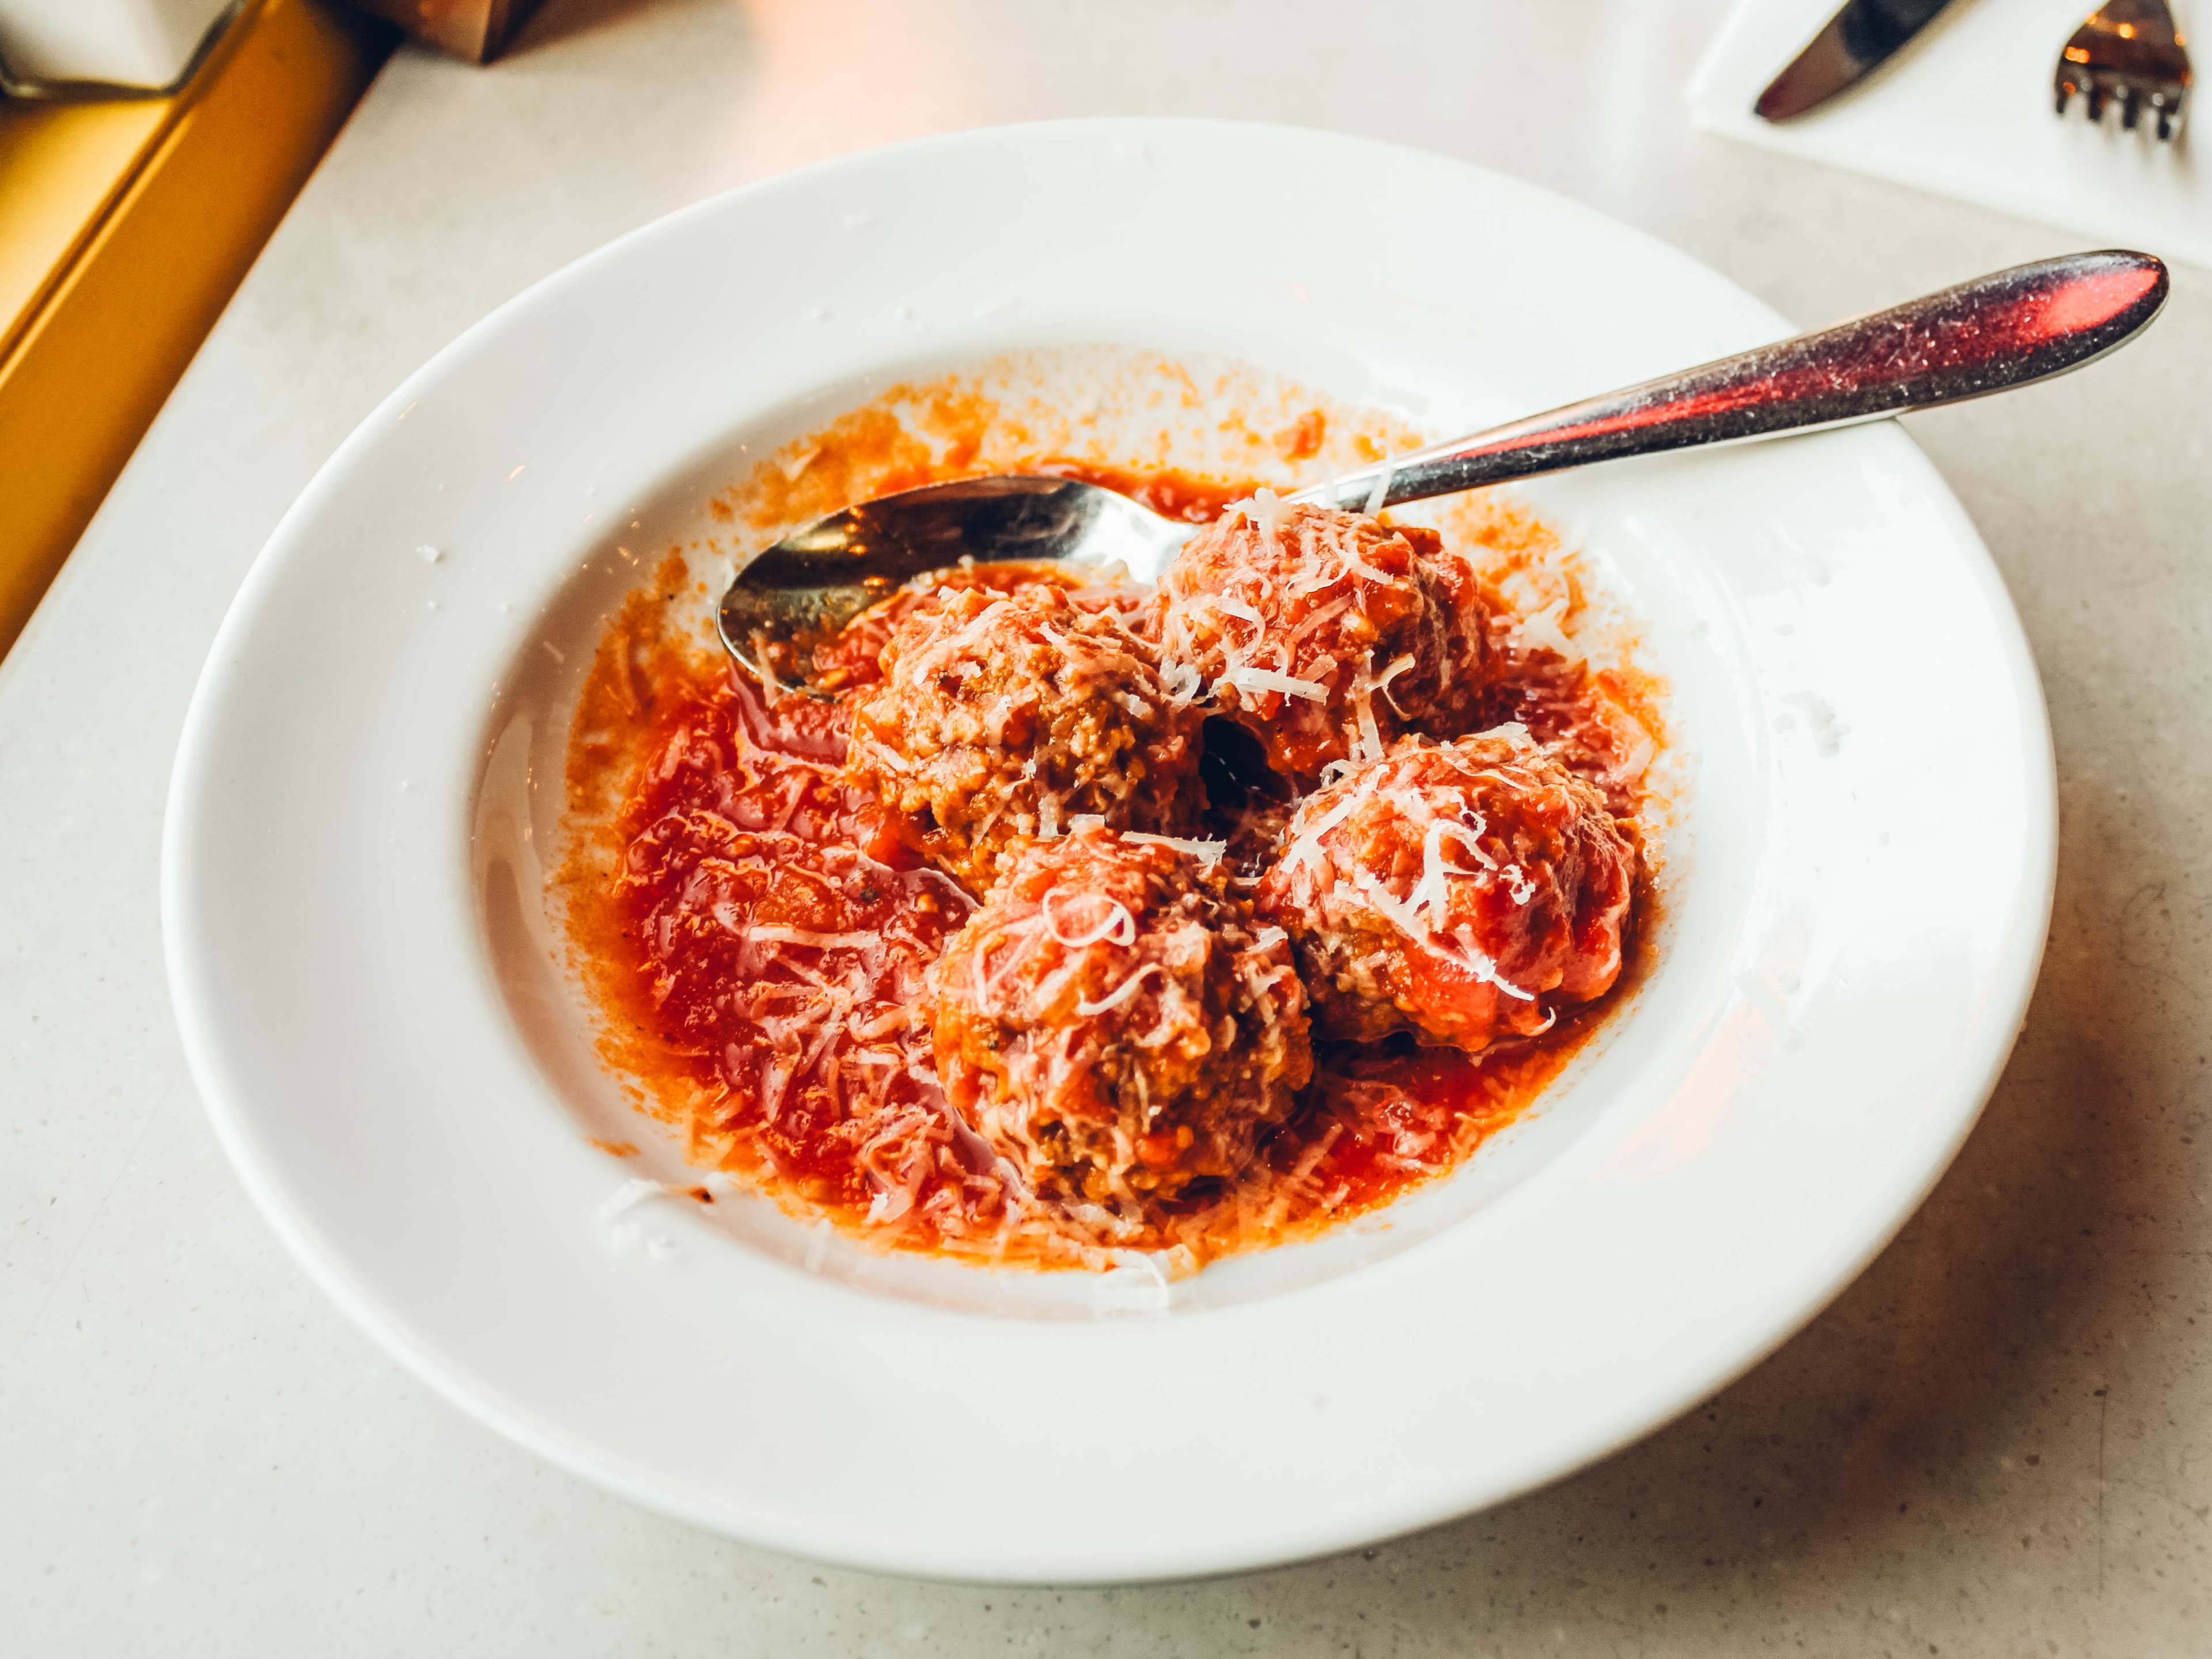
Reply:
x=1263, y=680
x=1120, y=995
x=1380, y=496
x=772, y=933
x=1206, y=852
x=1118, y=927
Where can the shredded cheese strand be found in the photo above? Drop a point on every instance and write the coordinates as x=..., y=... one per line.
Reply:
x=1263, y=680
x=1120, y=995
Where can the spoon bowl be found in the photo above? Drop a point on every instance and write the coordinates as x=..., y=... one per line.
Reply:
x=812, y=583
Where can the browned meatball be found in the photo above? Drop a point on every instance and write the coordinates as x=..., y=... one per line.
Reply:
x=852, y=656
x=1460, y=890
x=1326, y=634
x=1114, y=1022
x=1003, y=716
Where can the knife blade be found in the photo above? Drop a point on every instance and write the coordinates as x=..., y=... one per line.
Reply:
x=1856, y=39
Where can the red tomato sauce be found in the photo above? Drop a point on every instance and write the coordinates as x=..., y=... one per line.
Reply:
x=760, y=946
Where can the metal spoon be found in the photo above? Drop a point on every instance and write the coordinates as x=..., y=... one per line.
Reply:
x=1989, y=335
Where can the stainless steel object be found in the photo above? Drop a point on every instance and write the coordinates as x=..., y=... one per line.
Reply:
x=1856, y=42
x=1998, y=331
x=817, y=580
x=2129, y=53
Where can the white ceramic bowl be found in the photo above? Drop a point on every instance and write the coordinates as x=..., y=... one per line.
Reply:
x=1856, y=907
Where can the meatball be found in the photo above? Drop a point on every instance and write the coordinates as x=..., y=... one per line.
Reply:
x=1325, y=634
x=1460, y=890
x=1114, y=1022
x=1003, y=716
x=852, y=656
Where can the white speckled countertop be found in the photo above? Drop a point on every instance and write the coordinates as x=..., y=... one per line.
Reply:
x=1998, y=1443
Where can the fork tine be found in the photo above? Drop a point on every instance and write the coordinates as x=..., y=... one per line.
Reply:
x=2161, y=110
x=2130, y=52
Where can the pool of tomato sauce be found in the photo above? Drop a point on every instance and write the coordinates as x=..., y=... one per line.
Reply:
x=718, y=764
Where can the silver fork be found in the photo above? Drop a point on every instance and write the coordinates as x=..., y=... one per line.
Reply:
x=2128, y=51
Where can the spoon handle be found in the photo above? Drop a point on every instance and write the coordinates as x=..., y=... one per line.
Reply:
x=1988, y=335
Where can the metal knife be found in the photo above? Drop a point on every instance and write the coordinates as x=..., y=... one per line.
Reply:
x=1861, y=36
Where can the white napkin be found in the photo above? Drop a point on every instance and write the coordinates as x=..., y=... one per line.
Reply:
x=1964, y=110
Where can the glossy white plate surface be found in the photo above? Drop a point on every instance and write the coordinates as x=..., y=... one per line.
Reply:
x=1856, y=900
